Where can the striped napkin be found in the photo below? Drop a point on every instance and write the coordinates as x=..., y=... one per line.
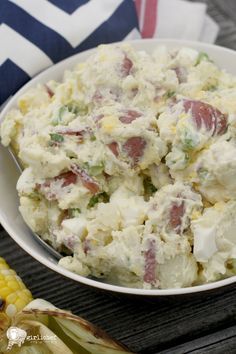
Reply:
x=175, y=19
x=36, y=34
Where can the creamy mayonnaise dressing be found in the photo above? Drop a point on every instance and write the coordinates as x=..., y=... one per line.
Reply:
x=130, y=166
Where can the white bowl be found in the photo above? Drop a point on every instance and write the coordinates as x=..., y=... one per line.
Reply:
x=12, y=221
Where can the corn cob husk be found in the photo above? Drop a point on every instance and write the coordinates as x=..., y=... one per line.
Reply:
x=44, y=328
x=14, y=295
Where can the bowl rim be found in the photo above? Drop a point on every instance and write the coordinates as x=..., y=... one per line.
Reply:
x=79, y=278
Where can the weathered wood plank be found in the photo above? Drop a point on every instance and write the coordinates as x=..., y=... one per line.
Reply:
x=139, y=324
x=221, y=342
x=220, y=10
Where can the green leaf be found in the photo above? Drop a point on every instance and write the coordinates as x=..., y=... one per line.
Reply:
x=98, y=198
x=57, y=137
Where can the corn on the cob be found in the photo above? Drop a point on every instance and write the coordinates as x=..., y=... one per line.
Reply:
x=14, y=295
x=38, y=317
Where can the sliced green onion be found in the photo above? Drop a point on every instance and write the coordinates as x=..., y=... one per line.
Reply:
x=93, y=138
x=211, y=88
x=96, y=169
x=57, y=137
x=170, y=94
x=74, y=212
x=202, y=56
x=98, y=198
x=203, y=173
x=59, y=116
x=77, y=108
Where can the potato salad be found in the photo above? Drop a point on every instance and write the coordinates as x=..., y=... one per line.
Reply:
x=130, y=166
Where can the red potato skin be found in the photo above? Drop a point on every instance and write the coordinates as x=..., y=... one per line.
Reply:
x=134, y=147
x=78, y=133
x=87, y=181
x=98, y=118
x=150, y=263
x=86, y=246
x=67, y=177
x=49, y=91
x=181, y=73
x=97, y=97
x=129, y=116
x=176, y=214
x=126, y=66
x=207, y=115
x=114, y=148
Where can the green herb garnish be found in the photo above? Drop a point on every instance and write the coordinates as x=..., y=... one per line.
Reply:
x=59, y=116
x=188, y=144
x=189, y=139
x=98, y=198
x=93, y=138
x=149, y=187
x=170, y=94
x=72, y=107
x=211, y=88
x=202, y=173
x=202, y=56
x=57, y=138
x=77, y=108
x=94, y=170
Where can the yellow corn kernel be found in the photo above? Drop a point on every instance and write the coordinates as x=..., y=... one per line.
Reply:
x=3, y=266
x=14, y=295
x=4, y=292
x=11, y=298
x=20, y=304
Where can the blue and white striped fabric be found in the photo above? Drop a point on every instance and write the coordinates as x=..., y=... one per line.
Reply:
x=34, y=34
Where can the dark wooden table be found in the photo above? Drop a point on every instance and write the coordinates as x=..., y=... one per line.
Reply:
x=204, y=324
